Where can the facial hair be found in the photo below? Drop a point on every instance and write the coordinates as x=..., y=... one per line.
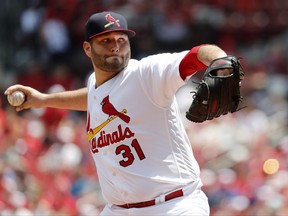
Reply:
x=110, y=63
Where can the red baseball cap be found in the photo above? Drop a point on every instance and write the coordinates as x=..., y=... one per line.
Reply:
x=104, y=22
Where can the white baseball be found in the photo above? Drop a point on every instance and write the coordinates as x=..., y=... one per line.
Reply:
x=16, y=98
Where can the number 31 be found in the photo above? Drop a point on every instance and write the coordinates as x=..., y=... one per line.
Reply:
x=128, y=157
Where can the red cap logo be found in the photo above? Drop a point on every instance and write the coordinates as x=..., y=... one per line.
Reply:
x=111, y=21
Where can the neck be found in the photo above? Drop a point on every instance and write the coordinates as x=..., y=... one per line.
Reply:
x=103, y=76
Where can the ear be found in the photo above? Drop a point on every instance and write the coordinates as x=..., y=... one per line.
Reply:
x=87, y=48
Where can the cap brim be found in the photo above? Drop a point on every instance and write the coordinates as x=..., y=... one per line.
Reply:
x=129, y=32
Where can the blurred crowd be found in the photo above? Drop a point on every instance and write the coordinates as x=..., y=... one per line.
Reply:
x=45, y=164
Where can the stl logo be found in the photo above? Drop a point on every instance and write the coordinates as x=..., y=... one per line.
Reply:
x=109, y=109
x=111, y=21
x=112, y=113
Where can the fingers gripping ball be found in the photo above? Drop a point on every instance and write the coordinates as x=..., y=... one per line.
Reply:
x=16, y=98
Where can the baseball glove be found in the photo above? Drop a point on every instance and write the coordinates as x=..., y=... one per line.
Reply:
x=217, y=95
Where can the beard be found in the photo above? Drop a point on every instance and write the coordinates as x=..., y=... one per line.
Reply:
x=110, y=63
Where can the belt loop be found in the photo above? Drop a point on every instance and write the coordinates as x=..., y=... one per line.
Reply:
x=160, y=199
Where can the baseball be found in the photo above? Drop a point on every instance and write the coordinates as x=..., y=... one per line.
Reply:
x=16, y=98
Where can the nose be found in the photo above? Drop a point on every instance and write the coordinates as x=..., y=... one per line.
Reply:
x=115, y=47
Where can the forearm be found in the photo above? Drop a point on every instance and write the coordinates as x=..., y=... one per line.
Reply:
x=209, y=52
x=70, y=100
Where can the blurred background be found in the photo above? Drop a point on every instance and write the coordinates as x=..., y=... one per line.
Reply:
x=45, y=163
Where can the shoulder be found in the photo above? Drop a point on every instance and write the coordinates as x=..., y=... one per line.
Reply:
x=155, y=65
x=133, y=62
x=164, y=59
x=161, y=57
x=91, y=80
x=164, y=56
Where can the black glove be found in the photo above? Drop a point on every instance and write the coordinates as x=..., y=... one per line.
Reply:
x=217, y=95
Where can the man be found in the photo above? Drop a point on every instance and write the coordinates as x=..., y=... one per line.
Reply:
x=143, y=156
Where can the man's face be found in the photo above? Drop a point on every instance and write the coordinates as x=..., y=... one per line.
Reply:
x=110, y=52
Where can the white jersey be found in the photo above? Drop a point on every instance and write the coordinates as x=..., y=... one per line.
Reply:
x=135, y=132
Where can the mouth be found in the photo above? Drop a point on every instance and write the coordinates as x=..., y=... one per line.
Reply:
x=113, y=58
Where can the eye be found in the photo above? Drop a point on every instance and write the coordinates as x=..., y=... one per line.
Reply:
x=121, y=40
x=104, y=41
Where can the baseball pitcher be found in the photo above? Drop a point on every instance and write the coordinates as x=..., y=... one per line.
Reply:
x=144, y=159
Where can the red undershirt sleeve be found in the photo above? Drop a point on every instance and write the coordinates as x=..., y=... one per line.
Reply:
x=190, y=63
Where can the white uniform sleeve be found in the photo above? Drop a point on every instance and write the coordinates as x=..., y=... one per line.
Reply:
x=160, y=77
